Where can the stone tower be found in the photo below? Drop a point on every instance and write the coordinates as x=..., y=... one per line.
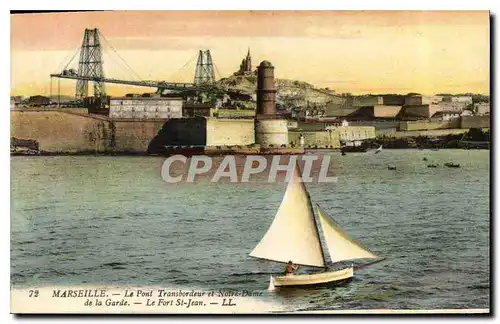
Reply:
x=266, y=92
x=270, y=131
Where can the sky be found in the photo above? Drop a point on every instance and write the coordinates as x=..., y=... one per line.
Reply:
x=359, y=52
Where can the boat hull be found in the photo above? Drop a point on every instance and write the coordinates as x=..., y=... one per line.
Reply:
x=353, y=149
x=315, y=279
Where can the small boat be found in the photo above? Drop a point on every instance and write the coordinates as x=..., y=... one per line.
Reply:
x=378, y=150
x=343, y=153
x=432, y=165
x=424, y=159
x=354, y=147
x=452, y=165
x=294, y=236
x=391, y=167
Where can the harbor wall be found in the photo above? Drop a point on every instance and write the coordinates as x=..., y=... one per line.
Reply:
x=315, y=139
x=229, y=131
x=475, y=121
x=75, y=132
x=61, y=131
x=133, y=136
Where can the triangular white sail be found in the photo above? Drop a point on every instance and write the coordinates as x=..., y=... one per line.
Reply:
x=293, y=235
x=340, y=246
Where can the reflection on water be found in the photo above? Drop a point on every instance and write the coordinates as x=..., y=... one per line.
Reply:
x=113, y=220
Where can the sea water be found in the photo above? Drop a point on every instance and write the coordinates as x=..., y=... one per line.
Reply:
x=86, y=220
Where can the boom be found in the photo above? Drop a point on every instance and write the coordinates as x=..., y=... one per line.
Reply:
x=161, y=85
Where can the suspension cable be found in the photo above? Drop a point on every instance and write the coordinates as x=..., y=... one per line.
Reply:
x=64, y=60
x=74, y=55
x=107, y=42
x=184, y=66
x=217, y=70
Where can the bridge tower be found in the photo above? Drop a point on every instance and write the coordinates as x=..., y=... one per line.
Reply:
x=90, y=65
x=204, y=73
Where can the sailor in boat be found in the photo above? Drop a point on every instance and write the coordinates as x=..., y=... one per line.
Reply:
x=290, y=268
x=295, y=219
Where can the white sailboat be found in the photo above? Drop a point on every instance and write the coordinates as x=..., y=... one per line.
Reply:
x=294, y=236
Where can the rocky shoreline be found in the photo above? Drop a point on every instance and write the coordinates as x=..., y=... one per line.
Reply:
x=475, y=138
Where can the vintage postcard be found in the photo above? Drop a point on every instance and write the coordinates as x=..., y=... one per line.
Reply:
x=250, y=162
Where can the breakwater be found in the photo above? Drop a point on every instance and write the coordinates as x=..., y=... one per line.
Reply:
x=68, y=132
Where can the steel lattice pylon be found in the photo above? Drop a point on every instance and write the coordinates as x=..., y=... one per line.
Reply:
x=90, y=65
x=204, y=73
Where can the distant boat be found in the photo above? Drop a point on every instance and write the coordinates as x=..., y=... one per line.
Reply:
x=378, y=150
x=391, y=167
x=294, y=236
x=452, y=165
x=354, y=146
x=432, y=165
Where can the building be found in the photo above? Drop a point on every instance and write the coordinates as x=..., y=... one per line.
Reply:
x=145, y=107
x=377, y=100
x=197, y=110
x=375, y=111
x=427, y=108
x=246, y=65
x=362, y=101
x=457, y=106
x=466, y=100
x=436, y=99
x=446, y=115
x=354, y=133
x=38, y=101
x=417, y=100
x=482, y=108
x=418, y=111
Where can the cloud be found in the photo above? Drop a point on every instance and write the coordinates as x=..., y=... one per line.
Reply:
x=65, y=30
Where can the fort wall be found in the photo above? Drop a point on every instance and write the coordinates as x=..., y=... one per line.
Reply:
x=229, y=131
x=475, y=121
x=315, y=139
x=72, y=132
x=57, y=131
x=428, y=125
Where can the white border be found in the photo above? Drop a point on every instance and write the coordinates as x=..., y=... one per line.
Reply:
x=188, y=5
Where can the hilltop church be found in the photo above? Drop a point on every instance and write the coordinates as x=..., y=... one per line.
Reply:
x=245, y=66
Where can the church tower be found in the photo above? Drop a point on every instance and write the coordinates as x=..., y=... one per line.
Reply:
x=248, y=65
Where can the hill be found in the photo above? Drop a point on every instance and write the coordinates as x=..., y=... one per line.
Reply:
x=290, y=93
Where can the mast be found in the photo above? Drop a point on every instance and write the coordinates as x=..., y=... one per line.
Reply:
x=315, y=220
x=293, y=235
